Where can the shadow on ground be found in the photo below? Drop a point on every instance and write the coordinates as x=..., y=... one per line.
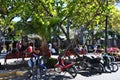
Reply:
x=88, y=73
x=48, y=77
x=23, y=66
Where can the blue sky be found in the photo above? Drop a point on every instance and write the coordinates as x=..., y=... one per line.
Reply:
x=117, y=6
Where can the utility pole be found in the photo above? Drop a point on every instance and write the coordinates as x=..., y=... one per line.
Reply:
x=106, y=26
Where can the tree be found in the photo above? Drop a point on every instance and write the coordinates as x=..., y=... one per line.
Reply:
x=51, y=17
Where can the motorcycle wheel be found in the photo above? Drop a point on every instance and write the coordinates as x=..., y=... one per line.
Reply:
x=115, y=67
x=81, y=66
x=108, y=68
x=72, y=71
x=99, y=68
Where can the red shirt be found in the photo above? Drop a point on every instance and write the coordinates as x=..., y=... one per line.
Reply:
x=29, y=49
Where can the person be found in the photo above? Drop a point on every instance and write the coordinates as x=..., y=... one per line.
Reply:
x=55, y=47
x=18, y=46
x=10, y=49
x=51, y=49
x=83, y=50
x=37, y=52
x=29, y=49
x=4, y=50
x=78, y=48
x=98, y=49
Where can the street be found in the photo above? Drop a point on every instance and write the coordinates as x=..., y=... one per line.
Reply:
x=84, y=75
x=103, y=76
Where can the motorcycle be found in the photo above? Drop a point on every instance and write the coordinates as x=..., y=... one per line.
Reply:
x=90, y=63
x=81, y=63
x=114, y=64
x=66, y=66
x=109, y=63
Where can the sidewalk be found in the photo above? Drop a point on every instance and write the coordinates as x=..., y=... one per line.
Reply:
x=12, y=70
x=14, y=67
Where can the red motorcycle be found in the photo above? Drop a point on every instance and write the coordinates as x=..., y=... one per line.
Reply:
x=66, y=66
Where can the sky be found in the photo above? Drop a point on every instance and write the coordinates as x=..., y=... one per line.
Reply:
x=16, y=19
x=117, y=6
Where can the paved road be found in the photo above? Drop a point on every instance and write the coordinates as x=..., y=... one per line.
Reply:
x=103, y=76
x=90, y=76
x=83, y=75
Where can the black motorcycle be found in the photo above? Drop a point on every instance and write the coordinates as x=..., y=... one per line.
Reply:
x=109, y=63
x=90, y=63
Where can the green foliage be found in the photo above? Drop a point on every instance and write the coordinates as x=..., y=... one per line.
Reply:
x=54, y=21
x=51, y=16
x=51, y=62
